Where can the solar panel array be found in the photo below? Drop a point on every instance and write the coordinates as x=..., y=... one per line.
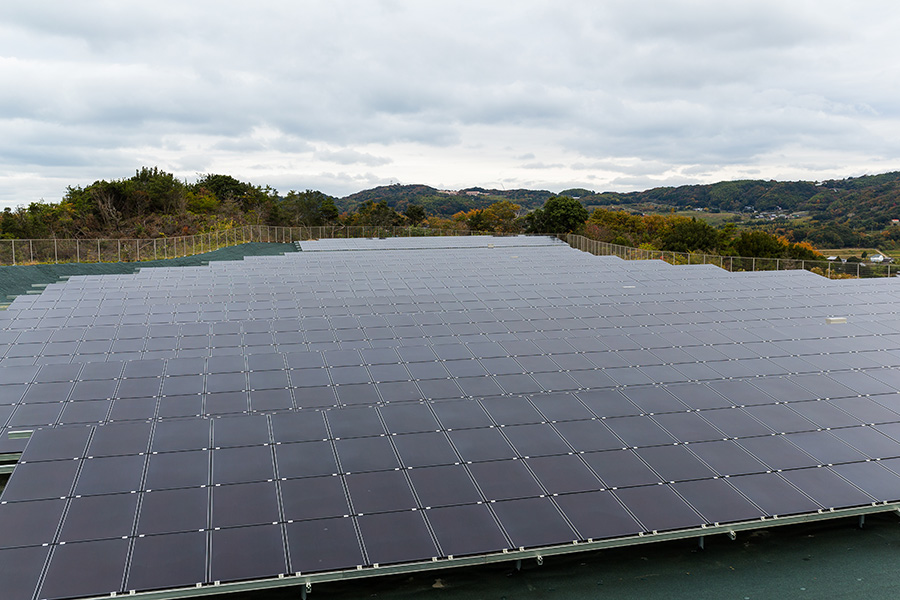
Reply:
x=338, y=410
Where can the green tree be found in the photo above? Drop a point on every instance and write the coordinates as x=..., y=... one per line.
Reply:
x=309, y=209
x=690, y=235
x=560, y=214
x=415, y=214
x=759, y=244
x=477, y=221
x=377, y=214
x=158, y=190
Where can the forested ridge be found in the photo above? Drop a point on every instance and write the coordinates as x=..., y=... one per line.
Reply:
x=153, y=203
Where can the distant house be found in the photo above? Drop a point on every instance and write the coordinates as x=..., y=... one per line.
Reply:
x=895, y=221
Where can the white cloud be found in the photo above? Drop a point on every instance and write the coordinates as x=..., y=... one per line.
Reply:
x=619, y=95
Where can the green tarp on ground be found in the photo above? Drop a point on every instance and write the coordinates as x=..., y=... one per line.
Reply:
x=15, y=280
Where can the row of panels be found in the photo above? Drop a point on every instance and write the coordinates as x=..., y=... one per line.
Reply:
x=857, y=373
x=543, y=450
x=101, y=566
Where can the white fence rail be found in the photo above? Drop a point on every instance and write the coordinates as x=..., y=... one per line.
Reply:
x=830, y=269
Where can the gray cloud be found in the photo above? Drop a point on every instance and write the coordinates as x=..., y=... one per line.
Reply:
x=351, y=157
x=619, y=94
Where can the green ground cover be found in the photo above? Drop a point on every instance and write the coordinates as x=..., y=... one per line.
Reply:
x=825, y=560
x=15, y=280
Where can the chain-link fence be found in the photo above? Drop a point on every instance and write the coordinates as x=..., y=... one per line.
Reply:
x=23, y=252
x=830, y=269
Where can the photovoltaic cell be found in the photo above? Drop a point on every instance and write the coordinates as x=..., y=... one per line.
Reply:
x=172, y=511
x=230, y=561
x=30, y=523
x=93, y=568
x=396, y=537
x=532, y=522
x=336, y=546
x=467, y=529
x=168, y=561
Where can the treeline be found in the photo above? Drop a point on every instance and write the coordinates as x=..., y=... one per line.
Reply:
x=154, y=203
x=683, y=234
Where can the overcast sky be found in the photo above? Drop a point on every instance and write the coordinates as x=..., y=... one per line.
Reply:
x=342, y=96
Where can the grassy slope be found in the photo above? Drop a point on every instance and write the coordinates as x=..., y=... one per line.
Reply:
x=15, y=280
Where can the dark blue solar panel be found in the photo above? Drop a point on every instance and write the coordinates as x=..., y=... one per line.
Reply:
x=432, y=398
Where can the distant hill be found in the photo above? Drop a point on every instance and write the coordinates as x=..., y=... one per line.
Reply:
x=838, y=213
x=856, y=211
x=870, y=201
x=442, y=203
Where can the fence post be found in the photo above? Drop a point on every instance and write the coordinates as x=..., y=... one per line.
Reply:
x=77, y=250
x=55, y=252
x=857, y=270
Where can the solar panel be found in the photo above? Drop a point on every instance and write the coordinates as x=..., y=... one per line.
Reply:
x=408, y=402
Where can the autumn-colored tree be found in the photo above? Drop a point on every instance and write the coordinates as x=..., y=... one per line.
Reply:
x=501, y=217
